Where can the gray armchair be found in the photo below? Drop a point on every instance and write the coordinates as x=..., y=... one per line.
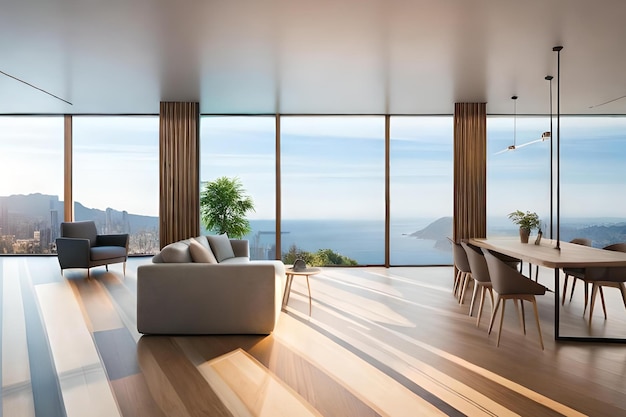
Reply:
x=80, y=246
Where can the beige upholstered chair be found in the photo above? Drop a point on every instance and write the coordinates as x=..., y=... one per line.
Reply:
x=463, y=274
x=606, y=277
x=480, y=273
x=509, y=284
x=575, y=272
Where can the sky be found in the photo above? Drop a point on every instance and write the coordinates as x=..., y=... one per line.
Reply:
x=331, y=167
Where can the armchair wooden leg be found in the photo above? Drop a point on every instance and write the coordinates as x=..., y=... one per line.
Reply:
x=522, y=320
x=124, y=267
x=106, y=267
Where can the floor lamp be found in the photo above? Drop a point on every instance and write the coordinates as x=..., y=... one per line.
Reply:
x=558, y=49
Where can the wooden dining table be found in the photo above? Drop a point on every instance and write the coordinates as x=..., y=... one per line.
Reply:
x=567, y=255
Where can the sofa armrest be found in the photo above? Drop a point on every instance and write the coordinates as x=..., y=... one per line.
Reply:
x=112, y=240
x=73, y=252
x=241, y=247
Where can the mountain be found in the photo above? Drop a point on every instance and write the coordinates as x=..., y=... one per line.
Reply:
x=37, y=208
x=439, y=231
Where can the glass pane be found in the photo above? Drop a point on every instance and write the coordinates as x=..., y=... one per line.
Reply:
x=244, y=148
x=421, y=185
x=31, y=168
x=593, y=184
x=116, y=177
x=333, y=187
x=517, y=179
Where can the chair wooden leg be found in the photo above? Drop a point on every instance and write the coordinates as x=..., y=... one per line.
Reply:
x=471, y=309
x=537, y=320
x=603, y=304
x=571, y=294
x=465, y=284
x=106, y=267
x=501, y=320
x=522, y=321
x=565, y=280
x=523, y=316
x=594, y=291
x=586, y=297
x=483, y=289
x=622, y=289
x=124, y=267
x=493, y=313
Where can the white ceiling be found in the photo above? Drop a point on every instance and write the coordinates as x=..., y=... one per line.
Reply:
x=311, y=56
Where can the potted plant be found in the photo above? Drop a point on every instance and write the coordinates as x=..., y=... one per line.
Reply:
x=526, y=222
x=223, y=207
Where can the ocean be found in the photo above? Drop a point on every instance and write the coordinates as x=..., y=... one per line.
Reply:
x=361, y=240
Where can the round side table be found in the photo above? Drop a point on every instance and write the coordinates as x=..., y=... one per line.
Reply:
x=290, y=273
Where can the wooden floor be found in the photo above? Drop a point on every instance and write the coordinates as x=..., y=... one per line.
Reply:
x=379, y=342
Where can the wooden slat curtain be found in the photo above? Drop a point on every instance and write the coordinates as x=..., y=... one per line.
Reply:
x=179, y=181
x=470, y=171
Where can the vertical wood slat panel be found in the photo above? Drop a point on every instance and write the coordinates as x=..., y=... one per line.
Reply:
x=68, y=198
x=179, y=179
x=470, y=170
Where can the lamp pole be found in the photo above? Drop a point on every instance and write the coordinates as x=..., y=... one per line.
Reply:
x=549, y=78
x=558, y=49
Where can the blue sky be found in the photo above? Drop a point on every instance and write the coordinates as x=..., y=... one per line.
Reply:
x=332, y=167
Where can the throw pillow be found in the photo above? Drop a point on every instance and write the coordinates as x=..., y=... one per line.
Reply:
x=201, y=254
x=220, y=244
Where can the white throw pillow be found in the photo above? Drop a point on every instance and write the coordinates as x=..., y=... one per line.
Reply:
x=201, y=254
x=220, y=244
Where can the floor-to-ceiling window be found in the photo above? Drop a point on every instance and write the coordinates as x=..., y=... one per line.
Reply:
x=517, y=179
x=244, y=148
x=333, y=188
x=421, y=184
x=116, y=176
x=593, y=184
x=31, y=183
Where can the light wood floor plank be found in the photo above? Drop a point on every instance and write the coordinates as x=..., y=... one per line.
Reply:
x=84, y=385
x=17, y=393
x=261, y=392
x=373, y=387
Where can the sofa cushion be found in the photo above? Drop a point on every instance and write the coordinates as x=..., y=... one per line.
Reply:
x=176, y=252
x=220, y=244
x=236, y=260
x=200, y=253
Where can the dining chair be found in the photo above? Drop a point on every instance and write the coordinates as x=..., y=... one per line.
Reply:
x=463, y=274
x=577, y=273
x=606, y=277
x=480, y=273
x=510, y=284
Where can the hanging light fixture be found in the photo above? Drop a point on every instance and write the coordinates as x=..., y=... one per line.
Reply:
x=544, y=136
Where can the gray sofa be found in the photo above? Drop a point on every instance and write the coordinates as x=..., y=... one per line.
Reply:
x=176, y=295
